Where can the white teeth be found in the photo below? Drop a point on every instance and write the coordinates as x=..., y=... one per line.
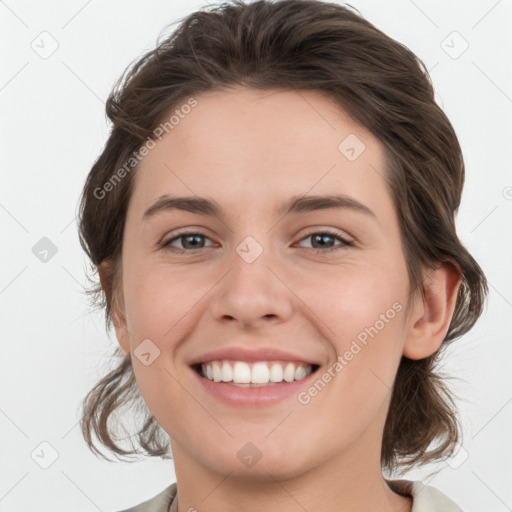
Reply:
x=289, y=372
x=241, y=373
x=276, y=373
x=217, y=374
x=300, y=373
x=227, y=372
x=259, y=373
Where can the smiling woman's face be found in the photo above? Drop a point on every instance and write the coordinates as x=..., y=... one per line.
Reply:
x=258, y=278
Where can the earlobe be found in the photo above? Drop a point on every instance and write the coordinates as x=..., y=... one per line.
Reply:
x=430, y=317
x=106, y=274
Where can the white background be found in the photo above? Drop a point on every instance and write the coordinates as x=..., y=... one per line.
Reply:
x=54, y=349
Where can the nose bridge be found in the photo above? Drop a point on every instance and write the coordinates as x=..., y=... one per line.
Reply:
x=252, y=290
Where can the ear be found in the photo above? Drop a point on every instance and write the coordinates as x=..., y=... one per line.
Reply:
x=429, y=318
x=114, y=296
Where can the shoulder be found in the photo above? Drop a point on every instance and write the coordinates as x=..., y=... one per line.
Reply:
x=425, y=498
x=159, y=503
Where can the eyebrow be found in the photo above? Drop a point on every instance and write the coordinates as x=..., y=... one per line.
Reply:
x=296, y=204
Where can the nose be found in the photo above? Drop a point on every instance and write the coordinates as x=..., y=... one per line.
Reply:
x=253, y=294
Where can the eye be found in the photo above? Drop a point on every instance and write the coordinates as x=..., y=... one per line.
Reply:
x=189, y=240
x=323, y=238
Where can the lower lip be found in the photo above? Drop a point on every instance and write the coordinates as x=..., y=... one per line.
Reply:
x=253, y=396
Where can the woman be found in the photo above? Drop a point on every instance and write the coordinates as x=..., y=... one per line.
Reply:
x=272, y=221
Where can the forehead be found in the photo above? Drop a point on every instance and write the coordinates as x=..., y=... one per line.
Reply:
x=262, y=145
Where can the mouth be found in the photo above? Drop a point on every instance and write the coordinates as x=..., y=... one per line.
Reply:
x=254, y=374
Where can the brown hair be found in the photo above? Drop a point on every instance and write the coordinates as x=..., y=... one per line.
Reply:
x=299, y=45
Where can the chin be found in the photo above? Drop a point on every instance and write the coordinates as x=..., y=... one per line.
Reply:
x=264, y=461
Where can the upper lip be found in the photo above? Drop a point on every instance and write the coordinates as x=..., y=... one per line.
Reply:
x=250, y=355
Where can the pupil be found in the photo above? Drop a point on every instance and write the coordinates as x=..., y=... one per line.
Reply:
x=193, y=237
x=317, y=237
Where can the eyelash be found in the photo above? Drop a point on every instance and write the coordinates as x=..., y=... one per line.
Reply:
x=345, y=243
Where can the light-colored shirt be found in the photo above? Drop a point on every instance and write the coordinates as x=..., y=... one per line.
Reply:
x=425, y=498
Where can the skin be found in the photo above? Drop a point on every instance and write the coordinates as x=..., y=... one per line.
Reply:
x=250, y=151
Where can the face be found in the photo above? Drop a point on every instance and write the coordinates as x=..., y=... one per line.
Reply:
x=322, y=284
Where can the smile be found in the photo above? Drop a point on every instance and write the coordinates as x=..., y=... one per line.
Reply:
x=250, y=394
x=254, y=374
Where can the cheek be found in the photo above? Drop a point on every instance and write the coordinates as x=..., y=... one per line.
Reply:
x=158, y=300
x=362, y=310
x=158, y=306
x=353, y=297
